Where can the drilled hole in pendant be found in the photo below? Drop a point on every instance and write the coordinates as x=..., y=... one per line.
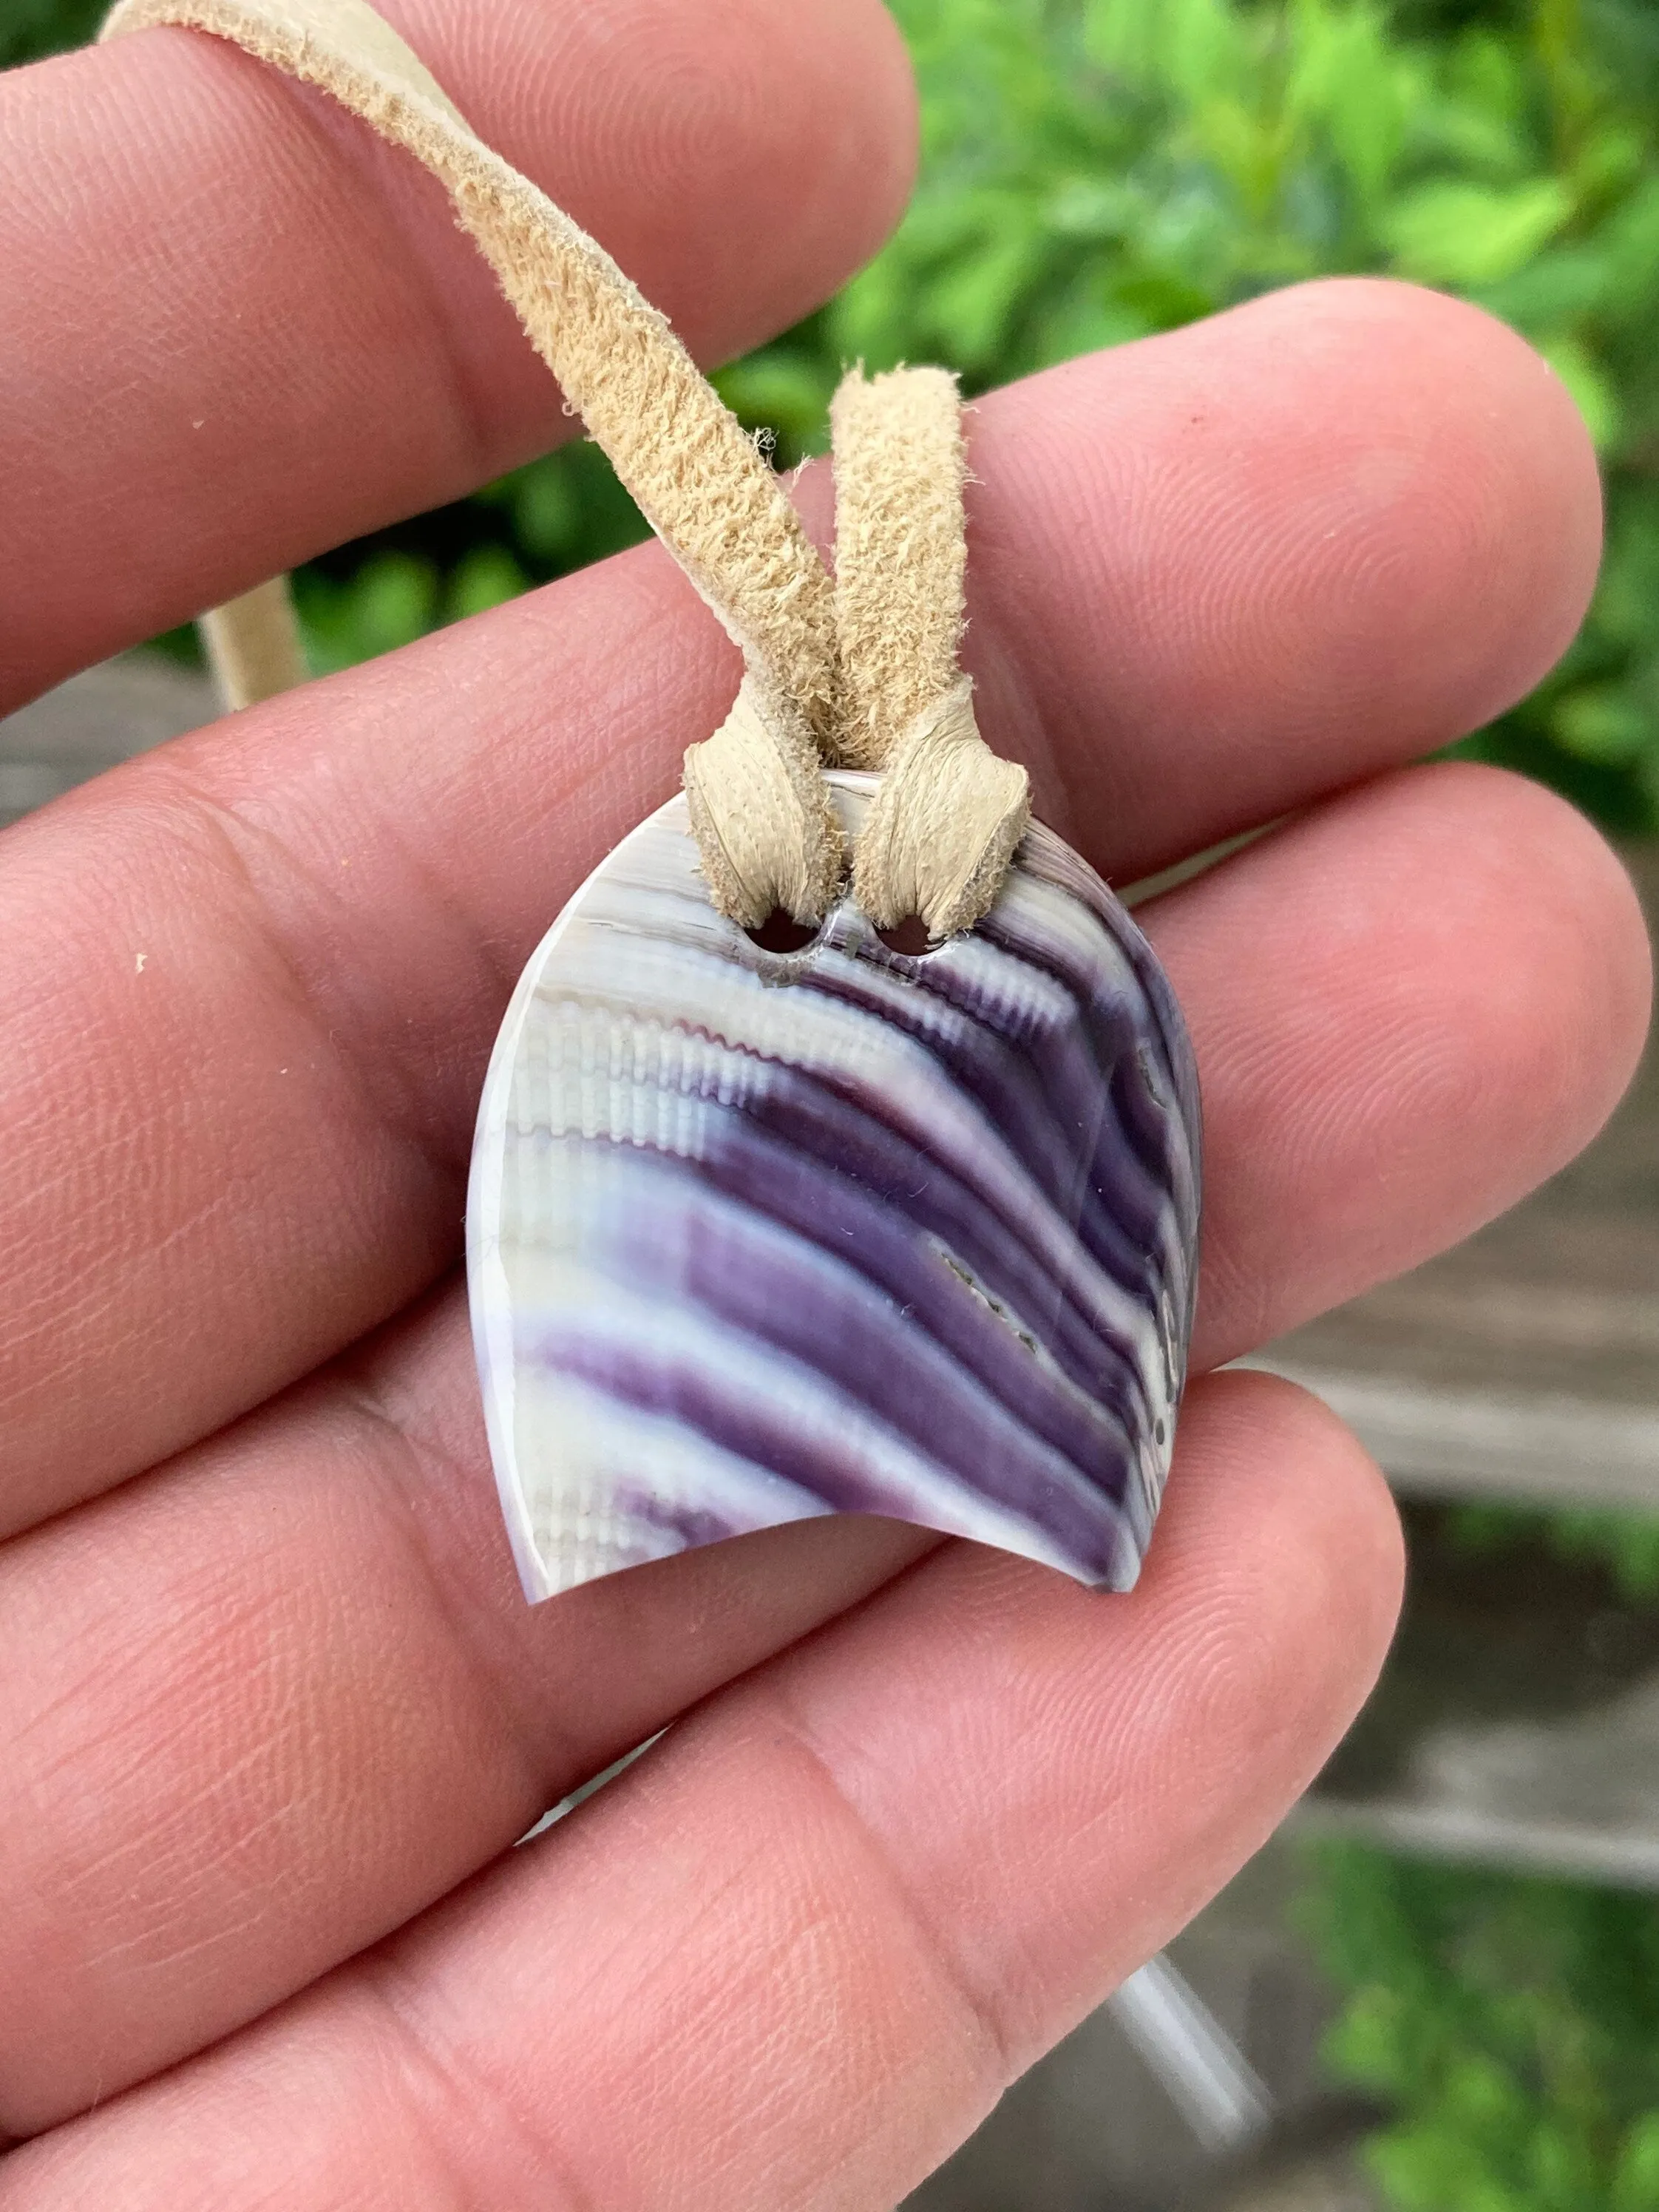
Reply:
x=781, y=933
x=908, y=937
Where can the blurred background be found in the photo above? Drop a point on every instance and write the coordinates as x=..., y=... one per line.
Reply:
x=1438, y=1991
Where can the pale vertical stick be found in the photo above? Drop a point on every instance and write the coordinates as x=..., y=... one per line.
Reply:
x=253, y=646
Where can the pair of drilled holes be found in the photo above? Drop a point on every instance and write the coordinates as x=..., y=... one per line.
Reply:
x=781, y=933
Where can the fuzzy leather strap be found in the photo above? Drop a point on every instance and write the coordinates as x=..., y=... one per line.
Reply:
x=949, y=811
x=944, y=825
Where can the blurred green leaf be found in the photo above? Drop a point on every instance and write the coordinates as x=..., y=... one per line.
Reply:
x=1092, y=209
x=974, y=303
x=1635, y=2185
x=485, y=576
x=391, y=600
x=1126, y=38
x=1472, y=235
x=1347, y=79
x=785, y=391
x=1591, y=388
x=1431, y=2167
x=32, y=28
x=546, y=509
x=1515, y=2021
x=1602, y=722
x=1482, y=2098
x=1628, y=247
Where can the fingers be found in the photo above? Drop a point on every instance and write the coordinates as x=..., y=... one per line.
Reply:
x=805, y=1942
x=279, y=1698
x=1309, y=539
x=1410, y=1007
x=1403, y=1007
x=239, y=331
x=239, y=1066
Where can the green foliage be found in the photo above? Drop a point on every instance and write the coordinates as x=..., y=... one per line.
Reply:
x=29, y=29
x=1624, y=1546
x=1097, y=170
x=1514, y=2024
x=1100, y=170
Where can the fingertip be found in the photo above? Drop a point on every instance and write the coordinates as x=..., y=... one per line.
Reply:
x=1323, y=532
x=1459, y=992
x=1161, y=1734
x=1556, y=977
x=1464, y=523
x=1323, y=1538
x=1521, y=522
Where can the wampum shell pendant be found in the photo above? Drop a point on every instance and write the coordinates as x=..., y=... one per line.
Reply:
x=753, y=1237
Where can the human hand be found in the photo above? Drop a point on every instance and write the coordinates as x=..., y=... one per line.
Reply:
x=272, y=1709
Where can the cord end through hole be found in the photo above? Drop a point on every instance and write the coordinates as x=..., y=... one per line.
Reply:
x=908, y=937
x=781, y=933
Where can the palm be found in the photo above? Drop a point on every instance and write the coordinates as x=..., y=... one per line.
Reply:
x=273, y=1709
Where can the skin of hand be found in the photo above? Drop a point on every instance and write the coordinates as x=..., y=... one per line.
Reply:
x=272, y=1711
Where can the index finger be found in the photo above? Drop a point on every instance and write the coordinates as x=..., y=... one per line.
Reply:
x=239, y=331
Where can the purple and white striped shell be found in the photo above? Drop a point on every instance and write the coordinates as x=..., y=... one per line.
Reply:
x=753, y=1237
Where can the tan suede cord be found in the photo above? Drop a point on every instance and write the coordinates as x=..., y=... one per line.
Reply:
x=943, y=825
x=693, y=470
x=949, y=812
x=900, y=553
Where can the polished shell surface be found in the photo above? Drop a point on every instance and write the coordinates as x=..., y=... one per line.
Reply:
x=753, y=1237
